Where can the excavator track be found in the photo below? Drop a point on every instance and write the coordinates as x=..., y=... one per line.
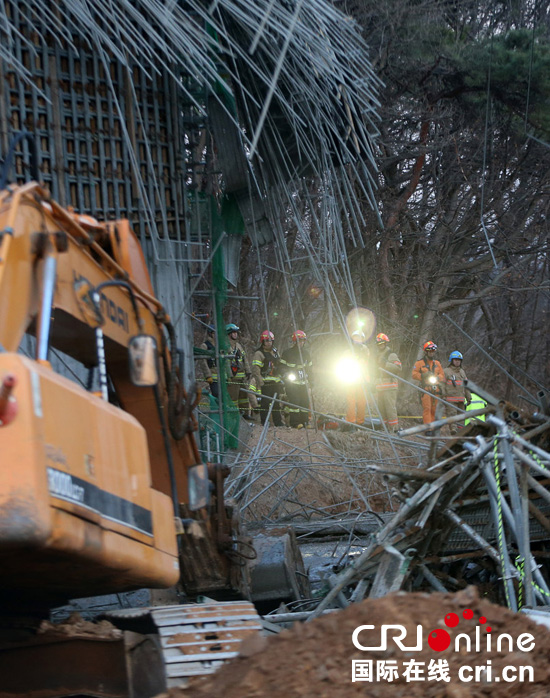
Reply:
x=99, y=659
x=197, y=639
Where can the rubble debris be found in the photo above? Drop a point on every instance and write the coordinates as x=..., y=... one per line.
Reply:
x=489, y=496
x=315, y=659
x=75, y=625
x=474, y=509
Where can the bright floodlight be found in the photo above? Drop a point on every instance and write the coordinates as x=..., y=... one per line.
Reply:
x=348, y=370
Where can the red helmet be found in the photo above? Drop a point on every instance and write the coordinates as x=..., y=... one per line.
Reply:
x=267, y=336
x=299, y=334
x=381, y=338
x=430, y=346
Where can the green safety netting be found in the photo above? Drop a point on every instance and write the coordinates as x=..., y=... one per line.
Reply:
x=224, y=220
x=212, y=434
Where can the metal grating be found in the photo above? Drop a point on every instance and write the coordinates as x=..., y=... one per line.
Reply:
x=478, y=516
x=111, y=141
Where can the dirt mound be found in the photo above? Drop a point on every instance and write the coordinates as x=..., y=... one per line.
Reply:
x=315, y=659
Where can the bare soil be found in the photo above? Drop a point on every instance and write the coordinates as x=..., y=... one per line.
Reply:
x=315, y=659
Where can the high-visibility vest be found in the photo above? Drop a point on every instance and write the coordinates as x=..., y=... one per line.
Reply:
x=476, y=403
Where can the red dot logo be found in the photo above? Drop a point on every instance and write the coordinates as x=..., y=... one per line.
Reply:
x=439, y=640
x=482, y=620
x=488, y=628
x=468, y=614
x=451, y=620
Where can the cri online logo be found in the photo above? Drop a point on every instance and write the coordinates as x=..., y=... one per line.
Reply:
x=439, y=639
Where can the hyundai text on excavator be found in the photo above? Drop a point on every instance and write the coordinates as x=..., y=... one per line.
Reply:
x=102, y=491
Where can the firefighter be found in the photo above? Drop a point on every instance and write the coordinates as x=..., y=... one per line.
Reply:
x=429, y=372
x=356, y=397
x=296, y=367
x=455, y=389
x=386, y=385
x=239, y=370
x=208, y=365
x=266, y=379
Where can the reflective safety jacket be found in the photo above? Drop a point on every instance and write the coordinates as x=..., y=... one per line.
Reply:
x=455, y=389
x=389, y=361
x=209, y=368
x=298, y=361
x=476, y=403
x=423, y=369
x=237, y=360
x=265, y=367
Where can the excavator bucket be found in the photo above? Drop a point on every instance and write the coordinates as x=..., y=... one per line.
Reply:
x=277, y=574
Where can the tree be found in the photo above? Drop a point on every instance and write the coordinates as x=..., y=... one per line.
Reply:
x=463, y=188
x=463, y=164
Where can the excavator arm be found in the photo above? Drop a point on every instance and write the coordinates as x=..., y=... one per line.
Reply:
x=46, y=251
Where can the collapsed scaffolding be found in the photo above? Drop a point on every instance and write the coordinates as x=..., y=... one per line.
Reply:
x=472, y=508
x=202, y=127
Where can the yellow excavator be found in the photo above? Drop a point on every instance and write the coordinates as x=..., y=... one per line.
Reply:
x=102, y=489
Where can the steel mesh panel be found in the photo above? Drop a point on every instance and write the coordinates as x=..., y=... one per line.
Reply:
x=98, y=133
x=479, y=517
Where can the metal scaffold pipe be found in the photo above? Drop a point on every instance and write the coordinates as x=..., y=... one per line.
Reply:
x=442, y=422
